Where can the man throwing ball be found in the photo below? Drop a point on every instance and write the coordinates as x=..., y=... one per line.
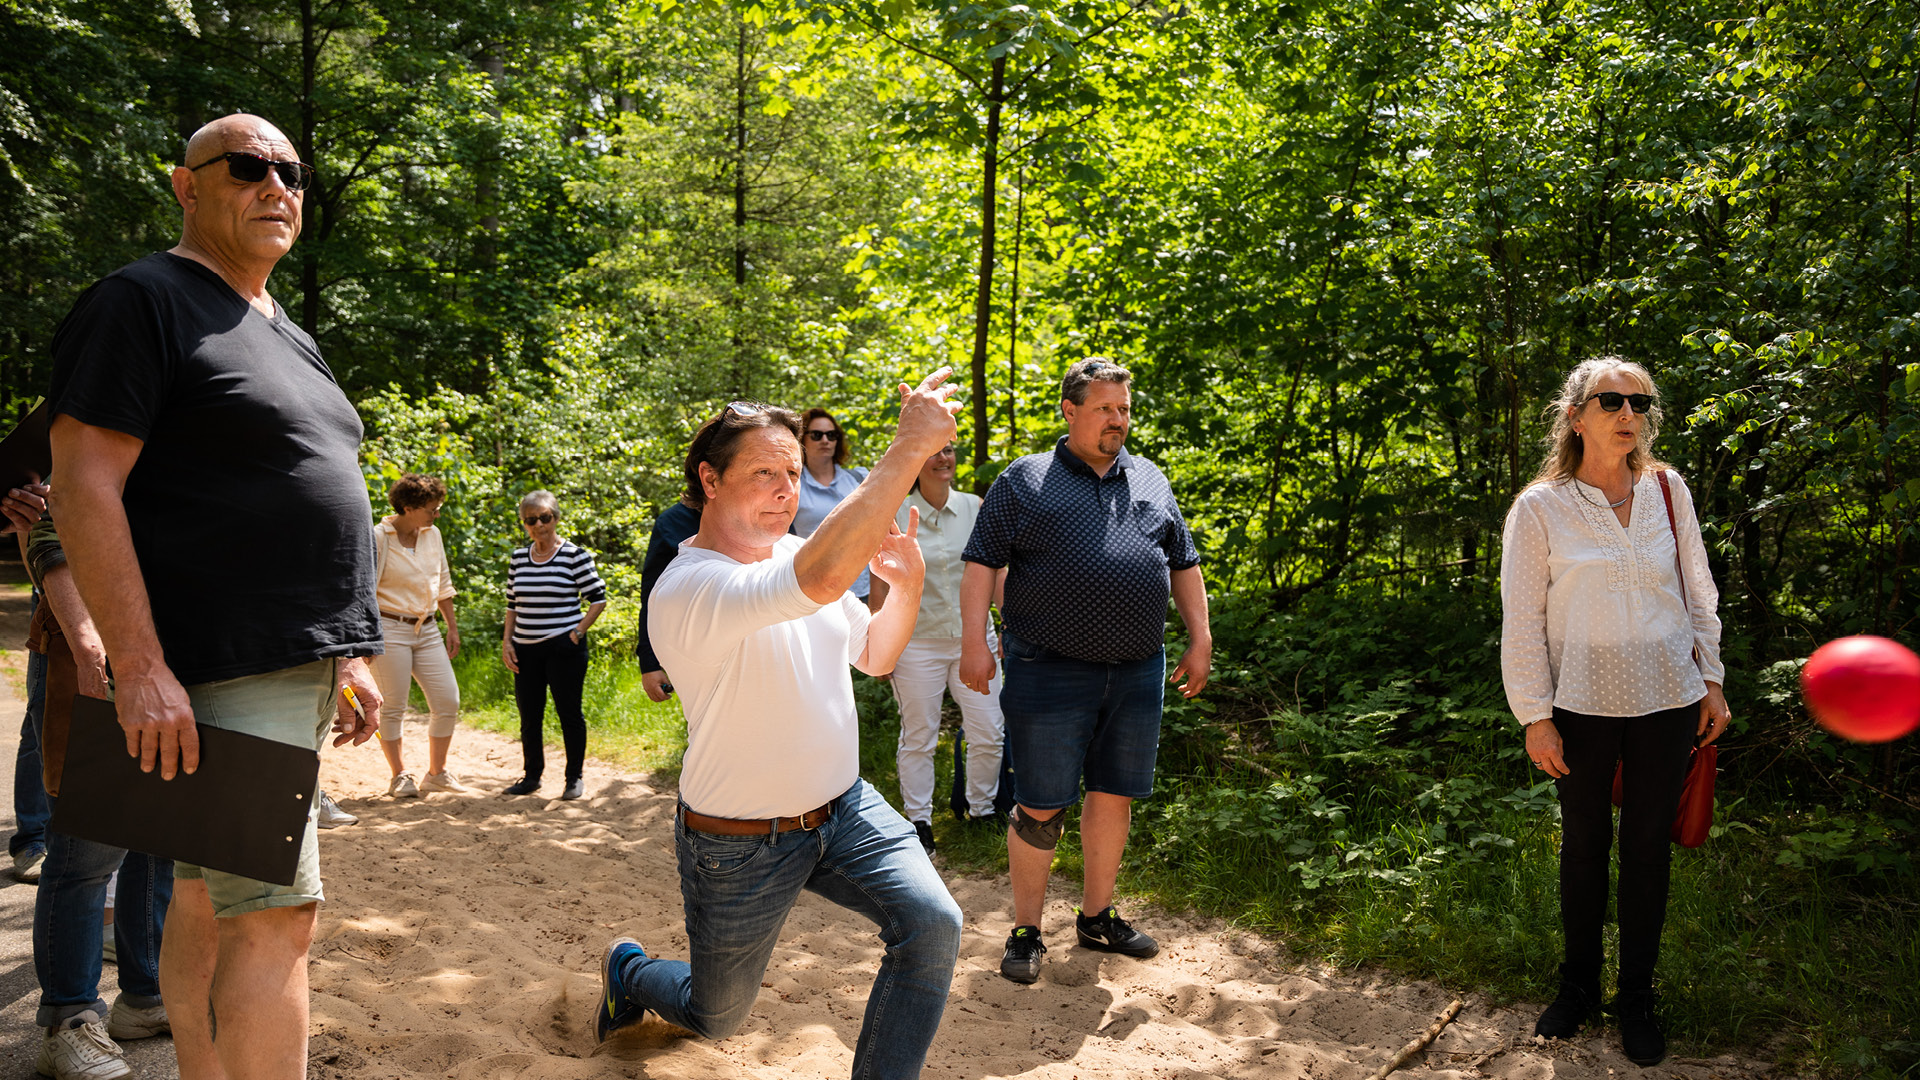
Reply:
x=755, y=628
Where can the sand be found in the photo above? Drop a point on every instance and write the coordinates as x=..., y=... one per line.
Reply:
x=462, y=934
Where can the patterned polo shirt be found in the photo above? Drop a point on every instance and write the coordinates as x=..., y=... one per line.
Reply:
x=1089, y=558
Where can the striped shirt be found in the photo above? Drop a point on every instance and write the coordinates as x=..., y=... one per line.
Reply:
x=545, y=596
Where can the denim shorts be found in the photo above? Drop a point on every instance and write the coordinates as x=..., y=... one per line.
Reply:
x=1069, y=720
x=295, y=706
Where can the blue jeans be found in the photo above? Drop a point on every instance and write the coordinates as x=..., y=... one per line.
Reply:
x=30, y=809
x=1068, y=719
x=72, y=900
x=738, y=890
x=66, y=925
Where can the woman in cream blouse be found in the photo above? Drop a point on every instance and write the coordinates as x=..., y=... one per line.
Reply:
x=414, y=582
x=1610, y=654
x=929, y=667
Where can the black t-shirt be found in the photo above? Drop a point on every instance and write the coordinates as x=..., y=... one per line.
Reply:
x=247, y=506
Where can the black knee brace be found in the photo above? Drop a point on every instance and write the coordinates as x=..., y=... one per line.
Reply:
x=1039, y=835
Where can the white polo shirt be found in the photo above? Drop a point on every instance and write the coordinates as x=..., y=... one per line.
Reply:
x=761, y=670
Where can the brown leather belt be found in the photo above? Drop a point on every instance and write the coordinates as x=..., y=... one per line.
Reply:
x=722, y=826
x=417, y=620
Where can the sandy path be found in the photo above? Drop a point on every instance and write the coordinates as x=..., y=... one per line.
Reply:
x=461, y=938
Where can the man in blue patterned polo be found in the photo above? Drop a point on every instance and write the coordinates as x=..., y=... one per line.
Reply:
x=1094, y=545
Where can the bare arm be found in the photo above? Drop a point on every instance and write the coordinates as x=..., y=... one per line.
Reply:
x=832, y=558
x=453, y=627
x=93, y=463
x=507, y=654
x=1190, y=600
x=586, y=621
x=89, y=655
x=979, y=583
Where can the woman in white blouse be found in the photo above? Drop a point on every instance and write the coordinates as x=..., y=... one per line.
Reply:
x=929, y=667
x=1609, y=653
x=414, y=582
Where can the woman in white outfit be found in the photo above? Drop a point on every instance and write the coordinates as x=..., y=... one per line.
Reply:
x=414, y=583
x=930, y=665
x=1610, y=651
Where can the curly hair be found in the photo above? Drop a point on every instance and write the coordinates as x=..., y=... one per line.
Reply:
x=413, y=491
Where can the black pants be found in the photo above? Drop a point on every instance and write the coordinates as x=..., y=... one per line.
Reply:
x=1652, y=750
x=560, y=665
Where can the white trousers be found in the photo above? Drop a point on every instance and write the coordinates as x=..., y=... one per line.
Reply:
x=928, y=668
x=415, y=654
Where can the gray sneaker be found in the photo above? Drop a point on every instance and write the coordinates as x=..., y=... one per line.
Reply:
x=576, y=789
x=80, y=1049
x=331, y=816
x=27, y=863
x=441, y=781
x=126, y=1021
x=403, y=787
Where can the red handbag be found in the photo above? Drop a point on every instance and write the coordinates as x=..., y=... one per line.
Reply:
x=1695, y=817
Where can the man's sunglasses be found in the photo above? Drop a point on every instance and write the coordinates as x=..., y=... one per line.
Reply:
x=1611, y=401
x=252, y=168
x=829, y=436
x=538, y=519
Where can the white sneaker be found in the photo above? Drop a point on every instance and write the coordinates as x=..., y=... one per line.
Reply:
x=81, y=1052
x=331, y=816
x=128, y=1022
x=27, y=863
x=441, y=781
x=403, y=787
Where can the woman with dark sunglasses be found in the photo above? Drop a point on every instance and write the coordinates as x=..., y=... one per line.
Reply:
x=1610, y=651
x=826, y=480
x=544, y=643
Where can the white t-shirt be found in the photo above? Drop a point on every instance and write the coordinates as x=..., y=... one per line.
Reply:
x=761, y=670
x=1592, y=616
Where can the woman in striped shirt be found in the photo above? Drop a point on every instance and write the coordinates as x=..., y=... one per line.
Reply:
x=545, y=641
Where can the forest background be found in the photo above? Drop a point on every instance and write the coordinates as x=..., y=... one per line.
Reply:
x=1348, y=250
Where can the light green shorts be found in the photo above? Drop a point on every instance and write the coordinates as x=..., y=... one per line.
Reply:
x=295, y=706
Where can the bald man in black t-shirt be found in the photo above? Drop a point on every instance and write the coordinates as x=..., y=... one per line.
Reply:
x=218, y=527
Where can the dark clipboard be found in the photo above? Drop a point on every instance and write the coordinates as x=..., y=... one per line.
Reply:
x=243, y=811
x=26, y=455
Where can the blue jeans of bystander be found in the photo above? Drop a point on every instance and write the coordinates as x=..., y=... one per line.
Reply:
x=30, y=809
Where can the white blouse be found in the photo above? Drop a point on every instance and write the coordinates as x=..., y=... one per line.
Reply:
x=1593, y=619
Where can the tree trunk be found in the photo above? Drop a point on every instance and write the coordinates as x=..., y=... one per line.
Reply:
x=983, y=304
x=1013, y=318
x=314, y=206
x=740, y=373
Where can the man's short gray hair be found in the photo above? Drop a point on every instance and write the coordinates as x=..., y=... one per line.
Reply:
x=1092, y=370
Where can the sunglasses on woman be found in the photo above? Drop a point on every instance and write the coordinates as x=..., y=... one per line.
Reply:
x=1610, y=401
x=824, y=436
x=537, y=519
x=252, y=168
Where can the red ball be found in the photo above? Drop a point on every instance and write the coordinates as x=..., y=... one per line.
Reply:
x=1863, y=688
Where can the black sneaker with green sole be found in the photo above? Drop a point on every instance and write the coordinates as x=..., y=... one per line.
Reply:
x=1024, y=950
x=1108, y=932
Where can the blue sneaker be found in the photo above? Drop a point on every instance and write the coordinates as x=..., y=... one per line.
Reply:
x=617, y=1010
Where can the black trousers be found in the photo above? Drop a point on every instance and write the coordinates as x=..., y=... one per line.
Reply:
x=1652, y=751
x=560, y=665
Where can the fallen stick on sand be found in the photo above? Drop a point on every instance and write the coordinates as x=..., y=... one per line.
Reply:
x=1425, y=1040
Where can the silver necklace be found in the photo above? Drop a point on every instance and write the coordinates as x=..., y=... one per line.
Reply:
x=1580, y=491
